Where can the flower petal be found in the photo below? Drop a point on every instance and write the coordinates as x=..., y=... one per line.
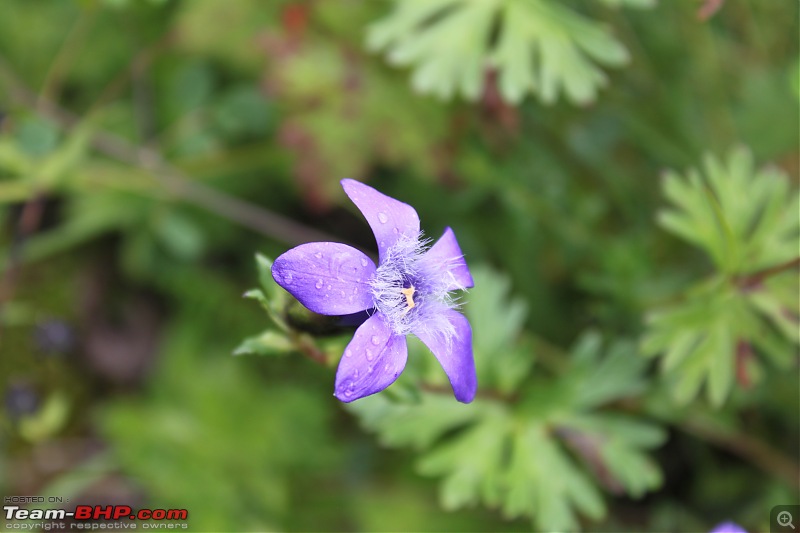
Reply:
x=371, y=362
x=447, y=252
x=388, y=218
x=327, y=277
x=728, y=527
x=454, y=354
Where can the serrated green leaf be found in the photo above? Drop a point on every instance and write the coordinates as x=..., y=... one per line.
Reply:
x=497, y=321
x=510, y=456
x=417, y=424
x=745, y=219
x=545, y=483
x=542, y=47
x=747, y=222
x=470, y=477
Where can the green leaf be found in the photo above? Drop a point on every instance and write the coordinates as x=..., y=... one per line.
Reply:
x=544, y=482
x=264, y=267
x=747, y=222
x=743, y=218
x=541, y=47
x=271, y=297
x=497, y=320
x=270, y=342
x=561, y=43
x=47, y=421
x=417, y=424
x=469, y=478
x=600, y=380
x=520, y=456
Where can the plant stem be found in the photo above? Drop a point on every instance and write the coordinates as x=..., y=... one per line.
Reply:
x=754, y=280
x=749, y=448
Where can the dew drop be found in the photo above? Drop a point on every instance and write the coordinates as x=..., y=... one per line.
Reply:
x=386, y=367
x=395, y=230
x=369, y=355
x=348, y=353
x=348, y=393
x=329, y=287
x=287, y=278
x=364, y=262
x=369, y=369
x=343, y=293
x=355, y=374
x=318, y=284
x=318, y=255
x=355, y=290
x=376, y=340
x=383, y=218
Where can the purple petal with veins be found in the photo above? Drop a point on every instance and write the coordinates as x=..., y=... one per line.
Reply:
x=327, y=277
x=454, y=353
x=388, y=218
x=447, y=252
x=371, y=362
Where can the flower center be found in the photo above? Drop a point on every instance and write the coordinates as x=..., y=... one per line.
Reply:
x=409, y=294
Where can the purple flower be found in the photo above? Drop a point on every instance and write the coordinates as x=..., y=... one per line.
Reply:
x=728, y=527
x=408, y=292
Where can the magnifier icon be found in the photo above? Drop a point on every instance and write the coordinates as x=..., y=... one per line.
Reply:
x=785, y=519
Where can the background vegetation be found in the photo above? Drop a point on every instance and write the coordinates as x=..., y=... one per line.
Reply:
x=622, y=177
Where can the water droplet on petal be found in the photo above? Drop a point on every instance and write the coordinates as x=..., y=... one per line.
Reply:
x=395, y=230
x=343, y=294
x=383, y=218
x=318, y=255
x=355, y=290
x=287, y=278
x=376, y=340
x=318, y=284
x=369, y=369
x=355, y=374
x=364, y=262
x=329, y=287
x=386, y=367
x=369, y=355
x=348, y=393
x=348, y=353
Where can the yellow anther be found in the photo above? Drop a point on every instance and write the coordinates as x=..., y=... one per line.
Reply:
x=409, y=294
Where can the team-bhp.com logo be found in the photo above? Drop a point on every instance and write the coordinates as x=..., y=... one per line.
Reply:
x=94, y=517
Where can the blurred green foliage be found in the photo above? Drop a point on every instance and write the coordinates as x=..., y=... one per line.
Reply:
x=148, y=148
